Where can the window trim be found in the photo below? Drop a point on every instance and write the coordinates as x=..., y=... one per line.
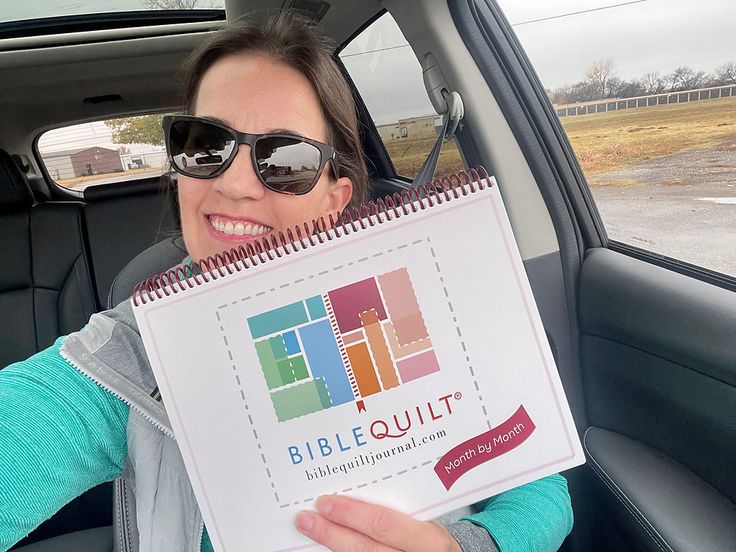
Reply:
x=57, y=191
x=535, y=123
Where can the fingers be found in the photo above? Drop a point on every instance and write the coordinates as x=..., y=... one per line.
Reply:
x=383, y=525
x=336, y=537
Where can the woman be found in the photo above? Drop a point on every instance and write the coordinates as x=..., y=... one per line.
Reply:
x=271, y=141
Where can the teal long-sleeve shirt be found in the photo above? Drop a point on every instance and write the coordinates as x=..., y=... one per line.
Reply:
x=61, y=434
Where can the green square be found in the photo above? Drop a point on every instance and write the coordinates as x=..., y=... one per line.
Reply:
x=286, y=370
x=299, y=367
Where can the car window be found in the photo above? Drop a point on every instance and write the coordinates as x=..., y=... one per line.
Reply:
x=388, y=77
x=650, y=116
x=104, y=152
x=36, y=11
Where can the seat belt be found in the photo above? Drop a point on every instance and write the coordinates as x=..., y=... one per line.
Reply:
x=452, y=118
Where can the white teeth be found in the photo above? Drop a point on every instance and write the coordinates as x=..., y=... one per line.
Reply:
x=238, y=228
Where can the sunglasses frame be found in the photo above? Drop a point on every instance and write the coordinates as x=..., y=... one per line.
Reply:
x=326, y=152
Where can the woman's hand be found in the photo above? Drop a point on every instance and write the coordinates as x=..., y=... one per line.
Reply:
x=344, y=524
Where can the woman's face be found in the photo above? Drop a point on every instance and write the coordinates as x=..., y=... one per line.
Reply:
x=253, y=93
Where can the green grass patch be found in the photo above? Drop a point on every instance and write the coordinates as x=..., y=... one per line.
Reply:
x=619, y=139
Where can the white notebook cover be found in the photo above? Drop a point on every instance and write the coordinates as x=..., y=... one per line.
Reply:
x=404, y=364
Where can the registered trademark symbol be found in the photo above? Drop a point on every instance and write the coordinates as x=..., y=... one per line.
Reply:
x=458, y=395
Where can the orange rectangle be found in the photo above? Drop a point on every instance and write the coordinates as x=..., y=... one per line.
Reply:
x=365, y=374
x=402, y=350
x=381, y=355
x=410, y=328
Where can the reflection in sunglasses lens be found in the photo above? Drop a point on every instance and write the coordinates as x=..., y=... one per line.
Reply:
x=198, y=148
x=287, y=164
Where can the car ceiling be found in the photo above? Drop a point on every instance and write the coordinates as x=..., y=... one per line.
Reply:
x=49, y=81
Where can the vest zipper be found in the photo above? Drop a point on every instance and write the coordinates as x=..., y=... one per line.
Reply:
x=118, y=396
x=125, y=545
x=201, y=534
x=124, y=514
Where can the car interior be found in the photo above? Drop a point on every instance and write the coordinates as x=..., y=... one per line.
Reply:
x=644, y=345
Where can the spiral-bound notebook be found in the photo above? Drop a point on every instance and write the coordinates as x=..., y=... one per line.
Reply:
x=398, y=357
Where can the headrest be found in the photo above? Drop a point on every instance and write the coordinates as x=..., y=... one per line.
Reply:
x=15, y=191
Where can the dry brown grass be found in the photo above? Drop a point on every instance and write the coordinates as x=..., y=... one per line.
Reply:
x=618, y=139
x=408, y=155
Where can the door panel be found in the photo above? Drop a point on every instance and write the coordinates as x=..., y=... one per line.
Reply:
x=658, y=358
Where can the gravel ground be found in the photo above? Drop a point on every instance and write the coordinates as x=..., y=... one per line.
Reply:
x=681, y=206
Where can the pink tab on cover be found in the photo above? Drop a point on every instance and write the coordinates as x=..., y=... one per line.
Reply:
x=484, y=447
x=417, y=366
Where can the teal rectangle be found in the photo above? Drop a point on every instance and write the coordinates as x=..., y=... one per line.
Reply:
x=277, y=320
x=278, y=347
x=316, y=307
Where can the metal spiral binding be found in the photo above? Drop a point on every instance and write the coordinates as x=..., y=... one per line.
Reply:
x=352, y=219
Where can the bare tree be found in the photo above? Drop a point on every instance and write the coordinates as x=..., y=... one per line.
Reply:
x=684, y=78
x=170, y=4
x=726, y=73
x=652, y=83
x=599, y=76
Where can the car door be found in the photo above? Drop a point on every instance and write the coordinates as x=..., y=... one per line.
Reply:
x=636, y=294
x=653, y=275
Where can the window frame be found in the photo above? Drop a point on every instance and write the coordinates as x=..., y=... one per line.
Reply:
x=534, y=122
x=56, y=190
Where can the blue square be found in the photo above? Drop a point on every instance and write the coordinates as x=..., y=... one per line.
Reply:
x=316, y=307
x=292, y=345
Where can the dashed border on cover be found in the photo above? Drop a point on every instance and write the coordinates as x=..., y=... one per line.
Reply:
x=310, y=277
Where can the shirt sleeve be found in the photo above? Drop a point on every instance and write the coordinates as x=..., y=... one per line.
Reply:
x=60, y=434
x=535, y=517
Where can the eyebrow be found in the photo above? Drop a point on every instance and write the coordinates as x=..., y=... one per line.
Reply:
x=269, y=131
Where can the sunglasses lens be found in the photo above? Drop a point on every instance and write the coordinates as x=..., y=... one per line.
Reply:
x=287, y=164
x=198, y=148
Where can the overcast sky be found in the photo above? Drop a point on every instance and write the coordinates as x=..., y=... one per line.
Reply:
x=639, y=37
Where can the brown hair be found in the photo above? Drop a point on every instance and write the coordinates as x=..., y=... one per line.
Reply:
x=296, y=42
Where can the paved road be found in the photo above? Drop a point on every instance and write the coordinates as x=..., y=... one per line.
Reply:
x=682, y=206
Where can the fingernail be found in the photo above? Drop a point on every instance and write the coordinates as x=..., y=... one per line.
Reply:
x=304, y=522
x=324, y=505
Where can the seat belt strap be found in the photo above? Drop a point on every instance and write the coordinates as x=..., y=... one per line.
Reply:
x=452, y=118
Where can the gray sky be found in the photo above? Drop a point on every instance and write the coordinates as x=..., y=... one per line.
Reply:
x=654, y=35
x=647, y=36
x=644, y=36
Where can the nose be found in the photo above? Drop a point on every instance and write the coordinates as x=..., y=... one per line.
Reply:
x=240, y=180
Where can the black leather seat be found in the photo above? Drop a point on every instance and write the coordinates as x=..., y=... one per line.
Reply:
x=46, y=291
x=45, y=283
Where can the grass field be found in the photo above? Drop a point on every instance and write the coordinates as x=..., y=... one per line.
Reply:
x=618, y=139
x=609, y=141
x=409, y=154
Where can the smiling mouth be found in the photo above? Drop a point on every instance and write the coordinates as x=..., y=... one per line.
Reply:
x=231, y=227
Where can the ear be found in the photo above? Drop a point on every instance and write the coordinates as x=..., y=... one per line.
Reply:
x=341, y=190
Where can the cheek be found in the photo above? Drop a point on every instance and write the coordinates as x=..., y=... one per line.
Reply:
x=296, y=210
x=191, y=196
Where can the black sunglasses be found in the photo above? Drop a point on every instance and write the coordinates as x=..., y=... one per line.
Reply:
x=284, y=163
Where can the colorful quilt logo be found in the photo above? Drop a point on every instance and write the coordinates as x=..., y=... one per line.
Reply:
x=343, y=346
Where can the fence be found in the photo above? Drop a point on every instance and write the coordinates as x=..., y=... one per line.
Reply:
x=616, y=104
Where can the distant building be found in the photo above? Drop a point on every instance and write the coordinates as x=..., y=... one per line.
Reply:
x=74, y=163
x=143, y=160
x=425, y=126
